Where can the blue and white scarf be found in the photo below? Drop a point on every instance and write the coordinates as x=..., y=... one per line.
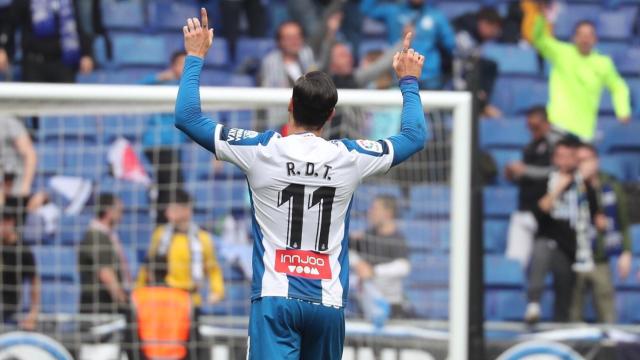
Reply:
x=195, y=249
x=43, y=17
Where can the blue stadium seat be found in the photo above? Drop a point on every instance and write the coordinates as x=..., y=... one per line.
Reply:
x=196, y=162
x=428, y=270
x=635, y=239
x=72, y=228
x=249, y=49
x=136, y=228
x=504, y=134
x=502, y=159
x=236, y=301
x=617, y=23
x=500, y=271
x=452, y=9
x=59, y=297
x=427, y=235
x=627, y=306
x=429, y=303
x=50, y=158
x=134, y=196
x=505, y=305
x=495, y=235
x=84, y=160
x=358, y=224
x=139, y=50
x=627, y=62
x=365, y=194
x=606, y=105
x=512, y=59
x=571, y=14
x=131, y=127
x=500, y=201
x=430, y=200
x=630, y=165
x=242, y=119
x=621, y=137
x=171, y=15
x=373, y=28
x=634, y=85
x=612, y=165
x=56, y=263
x=630, y=282
x=68, y=127
x=123, y=14
x=517, y=95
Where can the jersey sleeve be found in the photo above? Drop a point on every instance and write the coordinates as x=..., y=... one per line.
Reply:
x=371, y=157
x=239, y=146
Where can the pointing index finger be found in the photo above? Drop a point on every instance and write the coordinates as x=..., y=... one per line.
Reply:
x=205, y=18
x=406, y=42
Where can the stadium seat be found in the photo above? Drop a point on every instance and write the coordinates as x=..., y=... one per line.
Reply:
x=627, y=306
x=136, y=228
x=606, y=105
x=56, y=263
x=123, y=14
x=500, y=271
x=505, y=305
x=512, y=59
x=621, y=138
x=50, y=158
x=630, y=282
x=500, y=201
x=453, y=9
x=72, y=228
x=134, y=196
x=612, y=165
x=242, y=119
x=571, y=14
x=59, y=297
x=430, y=200
x=236, y=301
x=373, y=28
x=635, y=239
x=196, y=162
x=427, y=235
x=428, y=270
x=627, y=62
x=84, y=159
x=171, y=15
x=617, y=23
x=139, y=50
x=634, y=85
x=511, y=134
x=516, y=95
x=365, y=195
x=67, y=127
x=429, y=303
x=495, y=235
x=630, y=165
x=131, y=127
x=502, y=159
x=254, y=50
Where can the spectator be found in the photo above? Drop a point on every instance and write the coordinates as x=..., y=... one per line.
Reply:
x=531, y=175
x=18, y=267
x=161, y=141
x=181, y=255
x=232, y=9
x=577, y=78
x=381, y=255
x=432, y=32
x=103, y=267
x=17, y=157
x=472, y=31
x=612, y=238
x=284, y=65
x=54, y=45
x=563, y=215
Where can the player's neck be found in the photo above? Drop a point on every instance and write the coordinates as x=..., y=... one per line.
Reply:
x=295, y=129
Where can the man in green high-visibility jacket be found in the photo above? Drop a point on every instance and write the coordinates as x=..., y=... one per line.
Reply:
x=577, y=78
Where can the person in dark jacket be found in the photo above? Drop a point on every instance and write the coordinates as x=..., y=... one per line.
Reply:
x=54, y=43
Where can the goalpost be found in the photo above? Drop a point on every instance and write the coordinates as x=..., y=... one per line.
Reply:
x=450, y=112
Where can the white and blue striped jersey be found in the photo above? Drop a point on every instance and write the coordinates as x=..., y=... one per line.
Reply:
x=301, y=190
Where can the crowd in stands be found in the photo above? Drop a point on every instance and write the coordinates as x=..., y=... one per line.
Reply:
x=571, y=219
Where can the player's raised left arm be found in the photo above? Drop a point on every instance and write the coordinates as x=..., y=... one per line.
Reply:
x=413, y=128
x=188, y=114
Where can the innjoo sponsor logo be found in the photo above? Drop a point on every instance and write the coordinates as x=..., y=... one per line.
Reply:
x=306, y=264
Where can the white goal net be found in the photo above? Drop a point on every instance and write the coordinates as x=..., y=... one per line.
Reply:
x=93, y=140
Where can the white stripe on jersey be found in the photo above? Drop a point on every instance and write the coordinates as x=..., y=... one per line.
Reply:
x=301, y=188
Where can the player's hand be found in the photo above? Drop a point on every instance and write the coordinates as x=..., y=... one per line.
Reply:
x=408, y=62
x=197, y=36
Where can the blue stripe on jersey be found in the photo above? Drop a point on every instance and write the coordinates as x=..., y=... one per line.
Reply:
x=343, y=258
x=305, y=289
x=353, y=145
x=235, y=136
x=258, y=254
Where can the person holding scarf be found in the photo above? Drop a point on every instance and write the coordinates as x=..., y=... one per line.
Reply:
x=54, y=45
x=610, y=238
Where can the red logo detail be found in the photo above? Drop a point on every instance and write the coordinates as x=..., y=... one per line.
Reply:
x=306, y=264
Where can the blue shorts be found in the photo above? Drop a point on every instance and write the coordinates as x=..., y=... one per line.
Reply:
x=287, y=329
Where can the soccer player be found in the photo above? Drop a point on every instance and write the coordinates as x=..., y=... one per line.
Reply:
x=301, y=190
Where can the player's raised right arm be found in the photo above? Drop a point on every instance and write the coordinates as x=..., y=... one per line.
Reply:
x=413, y=128
x=188, y=114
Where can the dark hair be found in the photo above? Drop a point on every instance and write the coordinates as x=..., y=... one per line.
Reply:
x=490, y=15
x=180, y=197
x=584, y=22
x=286, y=23
x=10, y=210
x=314, y=98
x=538, y=110
x=570, y=141
x=389, y=202
x=105, y=202
x=176, y=55
x=591, y=148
